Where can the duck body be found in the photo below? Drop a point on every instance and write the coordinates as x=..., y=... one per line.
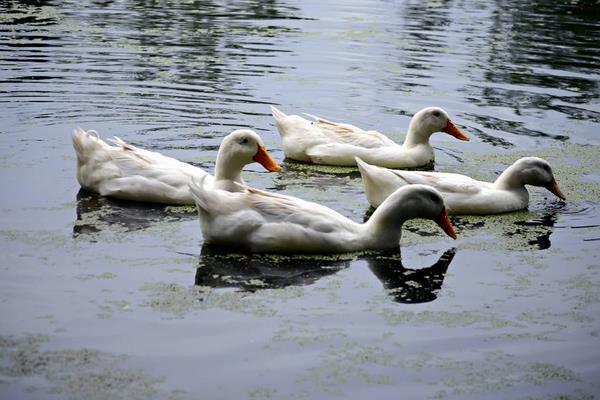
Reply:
x=272, y=223
x=462, y=194
x=127, y=172
x=330, y=143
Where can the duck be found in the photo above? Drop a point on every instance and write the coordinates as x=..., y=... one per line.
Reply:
x=330, y=143
x=264, y=222
x=126, y=172
x=462, y=194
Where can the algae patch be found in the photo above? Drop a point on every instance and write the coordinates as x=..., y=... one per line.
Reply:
x=446, y=318
x=74, y=374
x=179, y=300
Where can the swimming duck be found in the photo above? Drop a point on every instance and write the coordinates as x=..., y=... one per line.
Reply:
x=127, y=172
x=464, y=195
x=324, y=142
x=266, y=222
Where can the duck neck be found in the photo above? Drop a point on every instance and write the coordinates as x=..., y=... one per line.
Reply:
x=415, y=136
x=509, y=179
x=383, y=229
x=228, y=168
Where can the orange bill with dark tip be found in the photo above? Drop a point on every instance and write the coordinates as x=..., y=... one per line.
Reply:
x=553, y=187
x=443, y=220
x=455, y=131
x=263, y=157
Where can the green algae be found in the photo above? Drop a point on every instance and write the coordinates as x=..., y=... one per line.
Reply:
x=262, y=393
x=446, y=318
x=187, y=209
x=36, y=237
x=583, y=289
x=497, y=371
x=575, y=395
x=309, y=168
x=74, y=373
x=109, y=308
x=350, y=362
x=103, y=276
x=358, y=35
x=178, y=300
x=523, y=336
x=305, y=334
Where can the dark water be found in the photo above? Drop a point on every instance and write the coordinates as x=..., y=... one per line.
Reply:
x=105, y=299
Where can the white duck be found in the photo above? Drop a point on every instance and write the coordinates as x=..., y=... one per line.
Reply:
x=274, y=223
x=126, y=172
x=325, y=142
x=464, y=195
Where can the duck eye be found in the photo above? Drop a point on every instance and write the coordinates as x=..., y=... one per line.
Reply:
x=244, y=141
x=436, y=113
x=433, y=197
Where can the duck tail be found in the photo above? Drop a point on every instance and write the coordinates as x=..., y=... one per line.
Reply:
x=362, y=166
x=197, y=188
x=85, y=143
x=278, y=114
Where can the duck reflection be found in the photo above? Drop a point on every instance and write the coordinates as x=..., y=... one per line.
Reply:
x=219, y=268
x=532, y=231
x=544, y=225
x=95, y=213
x=410, y=286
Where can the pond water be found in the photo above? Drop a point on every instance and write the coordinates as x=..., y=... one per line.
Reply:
x=105, y=299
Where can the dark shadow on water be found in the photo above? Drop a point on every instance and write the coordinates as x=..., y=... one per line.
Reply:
x=96, y=213
x=533, y=231
x=407, y=285
x=219, y=268
x=541, y=241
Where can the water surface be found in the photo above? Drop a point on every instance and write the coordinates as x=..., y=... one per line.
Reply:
x=110, y=299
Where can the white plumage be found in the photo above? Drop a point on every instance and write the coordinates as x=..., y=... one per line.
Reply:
x=265, y=222
x=324, y=142
x=127, y=172
x=462, y=194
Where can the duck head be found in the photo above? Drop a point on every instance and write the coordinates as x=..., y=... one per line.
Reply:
x=534, y=171
x=430, y=120
x=239, y=148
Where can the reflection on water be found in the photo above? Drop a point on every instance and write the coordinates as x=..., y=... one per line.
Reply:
x=406, y=285
x=158, y=65
x=177, y=75
x=538, y=59
x=220, y=268
x=95, y=213
x=541, y=241
x=533, y=231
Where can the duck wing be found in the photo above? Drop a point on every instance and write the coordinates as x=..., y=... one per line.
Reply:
x=350, y=134
x=442, y=181
x=133, y=160
x=277, y=208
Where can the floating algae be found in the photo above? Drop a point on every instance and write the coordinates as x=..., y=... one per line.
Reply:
x=75, y=374
x=179, y=300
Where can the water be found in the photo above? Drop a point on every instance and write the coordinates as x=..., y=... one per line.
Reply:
x=106, y=299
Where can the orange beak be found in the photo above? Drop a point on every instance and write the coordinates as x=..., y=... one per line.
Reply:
x=263, y=157
x=553, y=187
x=443, y=220
x=453, y=130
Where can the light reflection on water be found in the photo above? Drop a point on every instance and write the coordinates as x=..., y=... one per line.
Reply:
x=518, y=304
